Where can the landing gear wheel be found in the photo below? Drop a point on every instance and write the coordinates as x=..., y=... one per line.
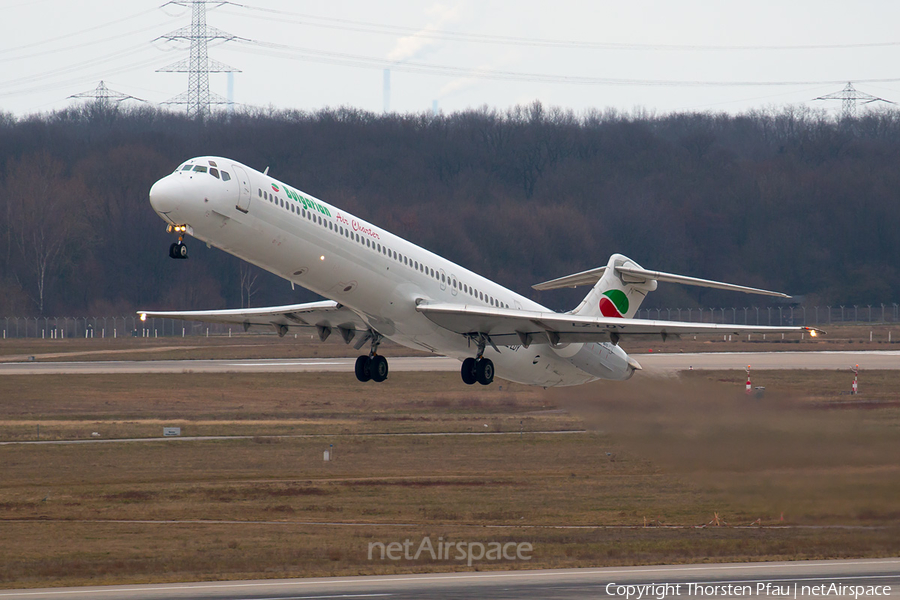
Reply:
x=178, y=250
x=468, y=371
x=484, y=371
x=363, y=365
x=378, y=368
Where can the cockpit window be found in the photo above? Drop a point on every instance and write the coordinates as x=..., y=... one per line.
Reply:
x=200, y=169
x=187, y=167
x=214, y=172
x=212, y=163
x=226, y=176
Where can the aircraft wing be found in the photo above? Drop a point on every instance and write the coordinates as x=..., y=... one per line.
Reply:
x=512, y=327
x=323, y=316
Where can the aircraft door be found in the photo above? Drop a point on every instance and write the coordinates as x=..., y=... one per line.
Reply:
x=243, y=203
x=454, y=285
x=443, y=280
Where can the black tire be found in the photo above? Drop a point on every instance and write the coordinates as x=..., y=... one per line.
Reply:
x=468, y=371
x=363, y=365
x=172, y=250
x=484, y=371
x=378, y=368
x=182, y=250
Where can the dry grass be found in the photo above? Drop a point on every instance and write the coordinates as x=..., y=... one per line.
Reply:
x=658, y=451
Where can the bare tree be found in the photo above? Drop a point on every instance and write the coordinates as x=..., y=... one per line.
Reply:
x=47, y=215
x=249, y=275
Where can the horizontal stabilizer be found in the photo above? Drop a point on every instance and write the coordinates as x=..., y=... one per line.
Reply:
x=633, y=275
x=570, y=281
x=643, y=275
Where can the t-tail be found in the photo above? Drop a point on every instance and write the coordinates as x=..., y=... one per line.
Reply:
x=621, y=286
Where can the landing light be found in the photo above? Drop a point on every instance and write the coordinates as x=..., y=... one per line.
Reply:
x=143, y=316
x=813, y=333
x=322, y=257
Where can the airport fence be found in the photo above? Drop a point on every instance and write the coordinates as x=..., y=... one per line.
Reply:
x=132, y=326
x=109, y=327
x=799, y=315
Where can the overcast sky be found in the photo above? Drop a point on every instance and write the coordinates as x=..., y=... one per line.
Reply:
x=661, y=56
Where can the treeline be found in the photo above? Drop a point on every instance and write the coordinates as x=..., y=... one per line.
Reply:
x=786, y=199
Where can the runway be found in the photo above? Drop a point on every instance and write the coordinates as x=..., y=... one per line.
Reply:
x=652, y=363
x=775, y=579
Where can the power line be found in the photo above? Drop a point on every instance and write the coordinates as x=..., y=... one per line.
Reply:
x=198, y=65
x=395, y=30
x=76, y=33
x=355, y=60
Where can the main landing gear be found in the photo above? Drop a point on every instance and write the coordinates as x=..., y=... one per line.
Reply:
x=478, y=369
x=178, y=249
x=372, y=366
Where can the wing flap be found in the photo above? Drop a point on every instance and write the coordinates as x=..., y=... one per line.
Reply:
x=509, y=327
x=317, y=315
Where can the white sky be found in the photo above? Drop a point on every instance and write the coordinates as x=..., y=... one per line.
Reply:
x=51, y=49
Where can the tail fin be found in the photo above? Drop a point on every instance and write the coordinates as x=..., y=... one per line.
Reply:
x=614, y=295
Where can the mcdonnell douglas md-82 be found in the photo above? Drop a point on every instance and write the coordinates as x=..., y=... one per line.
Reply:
x=379, y=286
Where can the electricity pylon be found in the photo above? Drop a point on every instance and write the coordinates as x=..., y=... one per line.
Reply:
x=104, y=96
x=198, y=66
x=849, y=96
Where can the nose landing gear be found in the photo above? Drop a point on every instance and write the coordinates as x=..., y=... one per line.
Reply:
x=178, y=249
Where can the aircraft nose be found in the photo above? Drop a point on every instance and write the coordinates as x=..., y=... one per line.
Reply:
x=166, y=194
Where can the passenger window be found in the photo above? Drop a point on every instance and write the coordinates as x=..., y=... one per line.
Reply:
x=214, y=173
x=199, y=169
x=259, y=191
x=226, y=176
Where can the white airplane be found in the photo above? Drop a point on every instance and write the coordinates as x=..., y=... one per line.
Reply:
x=380, y=286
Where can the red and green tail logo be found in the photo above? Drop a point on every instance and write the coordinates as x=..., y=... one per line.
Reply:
x=613, y=303
x=275, y=187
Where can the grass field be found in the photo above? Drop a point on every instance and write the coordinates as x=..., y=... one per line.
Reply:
x=803, y=472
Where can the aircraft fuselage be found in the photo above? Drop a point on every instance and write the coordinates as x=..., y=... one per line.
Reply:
x=367, y=269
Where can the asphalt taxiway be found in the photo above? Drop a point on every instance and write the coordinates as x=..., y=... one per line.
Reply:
x=875, y=578
x=656, y=362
